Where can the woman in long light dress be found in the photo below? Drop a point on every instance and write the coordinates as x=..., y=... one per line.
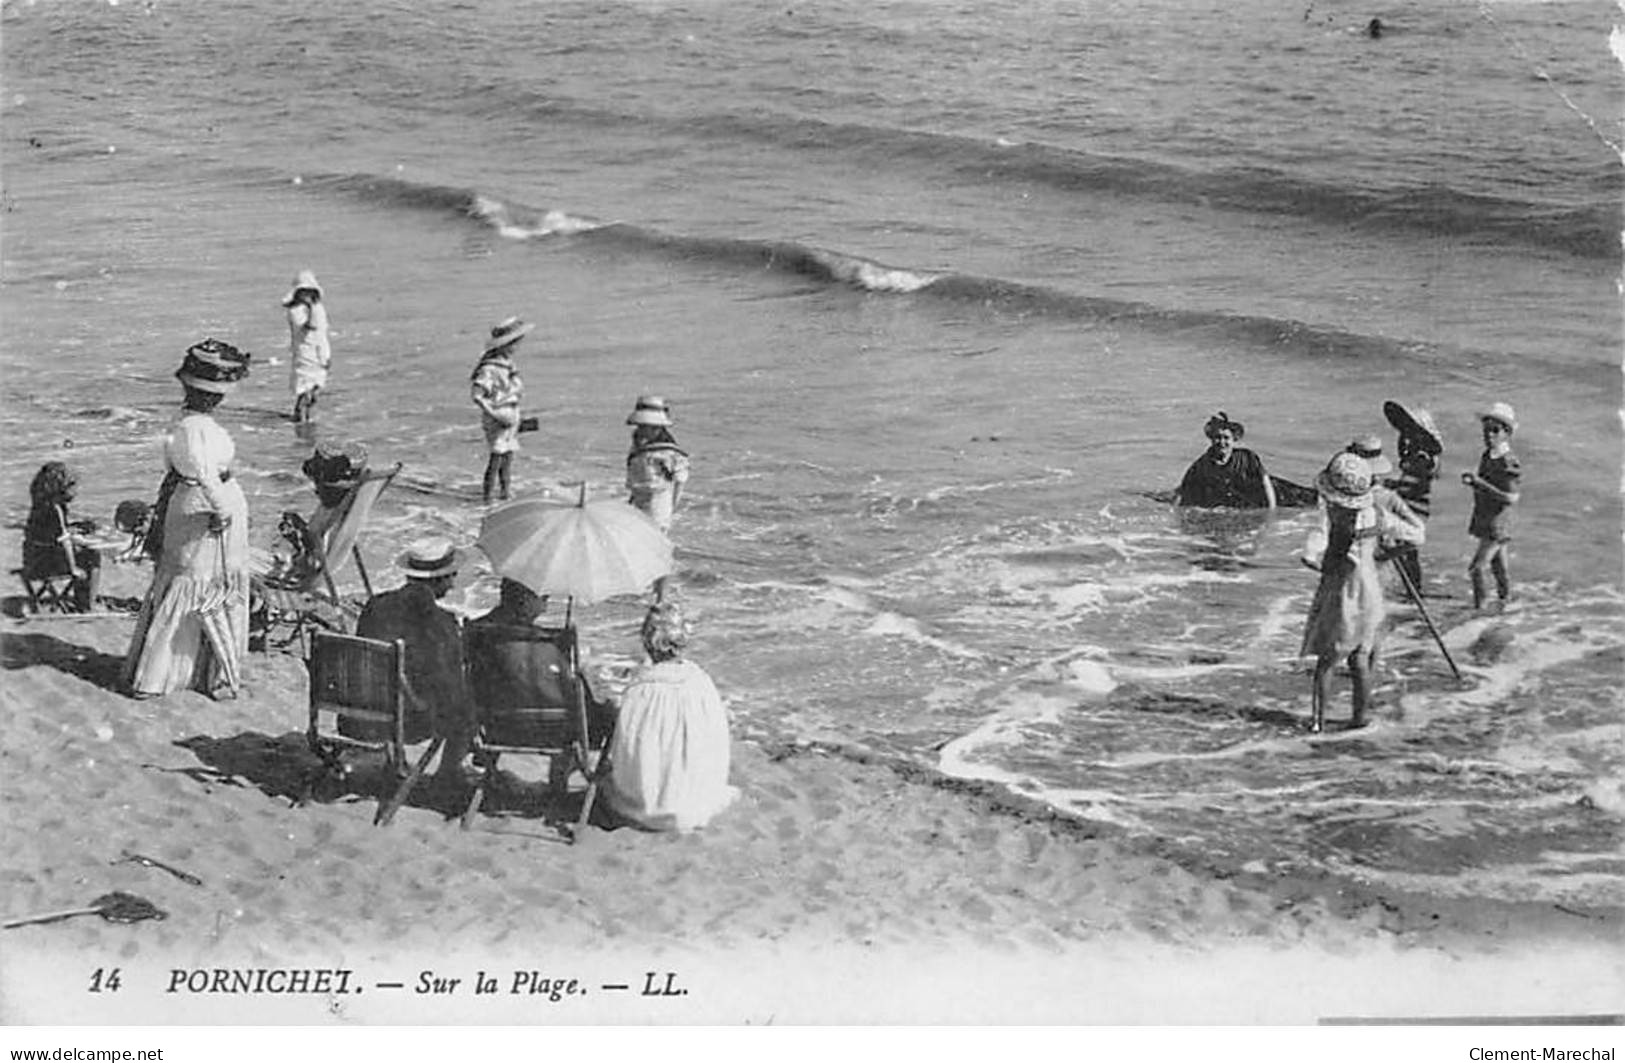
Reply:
x=670, y=754
x=192, y=630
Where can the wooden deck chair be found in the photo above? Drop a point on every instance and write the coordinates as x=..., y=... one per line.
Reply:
x=532, y=698
x=360, y=686
x=312, y=602
x=59, y=587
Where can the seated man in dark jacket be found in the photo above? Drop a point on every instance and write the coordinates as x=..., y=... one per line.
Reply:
x=526, y=673
x=438, y=700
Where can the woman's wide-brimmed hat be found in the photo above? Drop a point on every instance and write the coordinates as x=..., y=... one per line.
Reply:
x=507, y=333
x=334, y=468
x=1502, y=412
x=1369, y=447
x=305, y=281
x=213, y=365
x=1346, y=482
x=1417, y=423
x=428, y=558
x=651, y=409
x=1221, y=421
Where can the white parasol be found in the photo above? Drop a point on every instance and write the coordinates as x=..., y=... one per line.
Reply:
x=588, y=551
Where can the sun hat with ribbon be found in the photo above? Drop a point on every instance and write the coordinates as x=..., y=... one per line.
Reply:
x=1346, y=481
x=651, y=410
x=1502, y=412
x=428, y=558
x=507, y=333
x=305, y=281
x=1369, y=447
x=213, y=365
x=1416, y=423
x=1220, y=422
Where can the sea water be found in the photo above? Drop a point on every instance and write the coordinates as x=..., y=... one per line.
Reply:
x=941, y=294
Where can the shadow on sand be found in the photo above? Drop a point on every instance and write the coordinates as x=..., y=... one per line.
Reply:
x=284, y=767
x=26, y=649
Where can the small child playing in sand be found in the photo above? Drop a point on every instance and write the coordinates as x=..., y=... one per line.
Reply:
x=1495, y=492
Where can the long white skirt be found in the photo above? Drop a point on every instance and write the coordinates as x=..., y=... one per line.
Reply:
x=193, y=627
x=669, y=757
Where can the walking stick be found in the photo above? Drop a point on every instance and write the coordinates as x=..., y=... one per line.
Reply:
x=1416, y=596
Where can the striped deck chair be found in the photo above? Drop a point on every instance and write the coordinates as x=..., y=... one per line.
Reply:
x=312, y=600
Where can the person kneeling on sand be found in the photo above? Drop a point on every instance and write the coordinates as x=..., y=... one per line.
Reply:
x=670, y=755
x=438, y=700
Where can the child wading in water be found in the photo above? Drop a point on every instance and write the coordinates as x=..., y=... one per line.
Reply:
x=309, y=350
x=497, y=390
x=1346, y=616
x=1495, y=492
x=656, y=467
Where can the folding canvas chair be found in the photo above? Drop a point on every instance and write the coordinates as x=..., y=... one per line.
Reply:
x=358, y=703
x=306, y=603
x=57, y=587
x=532, y=698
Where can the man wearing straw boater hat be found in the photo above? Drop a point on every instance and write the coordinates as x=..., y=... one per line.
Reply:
x=1495, y=492
x=497, y=389
x=438, y=700
x=1345, y=618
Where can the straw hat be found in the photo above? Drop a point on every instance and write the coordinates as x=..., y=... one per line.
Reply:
x=428, y=558
x=506, y=334
x=1502, y=412
x=1417, y=423
x=1346, y=481
x=652, y=410
x=305, y=279
x=1369, y=447
x=1221, y=421
x=213, y=366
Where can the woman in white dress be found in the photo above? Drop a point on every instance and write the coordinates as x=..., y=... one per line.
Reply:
x=193, y=627
x=669, y=757
x=309, y=352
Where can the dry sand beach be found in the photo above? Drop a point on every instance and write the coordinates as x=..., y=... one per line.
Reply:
x=843, y=887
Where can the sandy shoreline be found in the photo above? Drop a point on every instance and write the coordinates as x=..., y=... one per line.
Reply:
x=843, y=887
